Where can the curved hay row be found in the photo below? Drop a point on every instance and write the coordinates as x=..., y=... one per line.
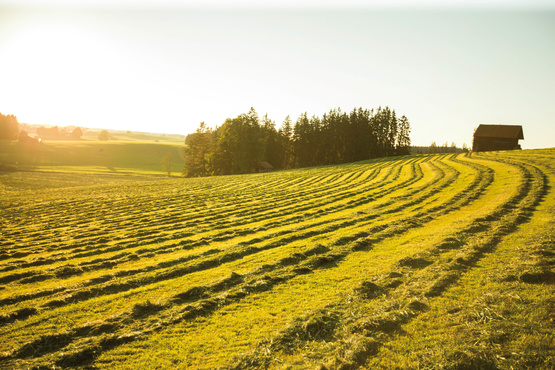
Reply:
x=180, y=245
x=215, y=259
x=124, y=213
x=342, y=219
x=424, y=195
x=377, y=309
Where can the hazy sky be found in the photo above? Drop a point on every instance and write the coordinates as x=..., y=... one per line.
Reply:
x=165, y=66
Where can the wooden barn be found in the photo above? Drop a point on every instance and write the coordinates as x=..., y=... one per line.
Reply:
x=497, y=137
x=264, y=167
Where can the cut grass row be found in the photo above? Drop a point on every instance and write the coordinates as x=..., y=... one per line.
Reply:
x=356, y=328
x=148, y=237
x=500, y=315
x=358, y=233
x=282, y=238
x=203, y=355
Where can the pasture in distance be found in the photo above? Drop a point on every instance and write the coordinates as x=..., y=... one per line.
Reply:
x=430, y=261
x=123, y=154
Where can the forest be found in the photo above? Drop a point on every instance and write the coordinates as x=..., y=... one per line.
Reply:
x=248, y=144
x=10, y=130
x=9, y=127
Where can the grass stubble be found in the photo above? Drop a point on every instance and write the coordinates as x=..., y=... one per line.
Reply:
x=427, y=261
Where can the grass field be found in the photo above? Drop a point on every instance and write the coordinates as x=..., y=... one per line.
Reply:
x=129, y=154
x=431, y=261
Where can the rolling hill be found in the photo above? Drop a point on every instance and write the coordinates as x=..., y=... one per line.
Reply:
x=129, y=154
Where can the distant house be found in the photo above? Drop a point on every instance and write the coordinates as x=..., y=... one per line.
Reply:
x=497, y=137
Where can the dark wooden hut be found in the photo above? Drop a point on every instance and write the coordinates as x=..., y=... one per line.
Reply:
x=265, y=167
x=497, y=137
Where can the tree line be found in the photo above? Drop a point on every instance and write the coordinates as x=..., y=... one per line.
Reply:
x=10, y=130
x=56, y=133
x=248, y=144
x=9, y=127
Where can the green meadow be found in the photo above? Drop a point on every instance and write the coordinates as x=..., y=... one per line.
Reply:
x=427, y=261
x=135, y=154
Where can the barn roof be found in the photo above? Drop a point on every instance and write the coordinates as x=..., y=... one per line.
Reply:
x=500, y=131
x=266, y=166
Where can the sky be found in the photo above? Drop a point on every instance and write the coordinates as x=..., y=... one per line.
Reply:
x=165, y=66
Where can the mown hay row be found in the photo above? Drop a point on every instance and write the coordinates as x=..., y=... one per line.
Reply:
x=315, y=263
x=353, y=221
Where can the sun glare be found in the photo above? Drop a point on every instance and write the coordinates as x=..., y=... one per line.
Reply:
x=58, y=67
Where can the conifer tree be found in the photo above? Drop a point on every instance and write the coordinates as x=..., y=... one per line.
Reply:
x=273, y=148
x=242, y=143
x=286, y=137
x=403, y=137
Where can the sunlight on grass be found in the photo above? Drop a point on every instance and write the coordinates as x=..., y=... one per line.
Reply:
x=423, y=261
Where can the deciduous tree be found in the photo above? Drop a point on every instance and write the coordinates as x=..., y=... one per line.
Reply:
x=9, y=127
x=76, y=133
x=166, y=163
x=196, y=152
x=104, y=135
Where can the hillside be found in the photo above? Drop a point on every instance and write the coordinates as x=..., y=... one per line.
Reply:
x=432, y=261
x=129, y=154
